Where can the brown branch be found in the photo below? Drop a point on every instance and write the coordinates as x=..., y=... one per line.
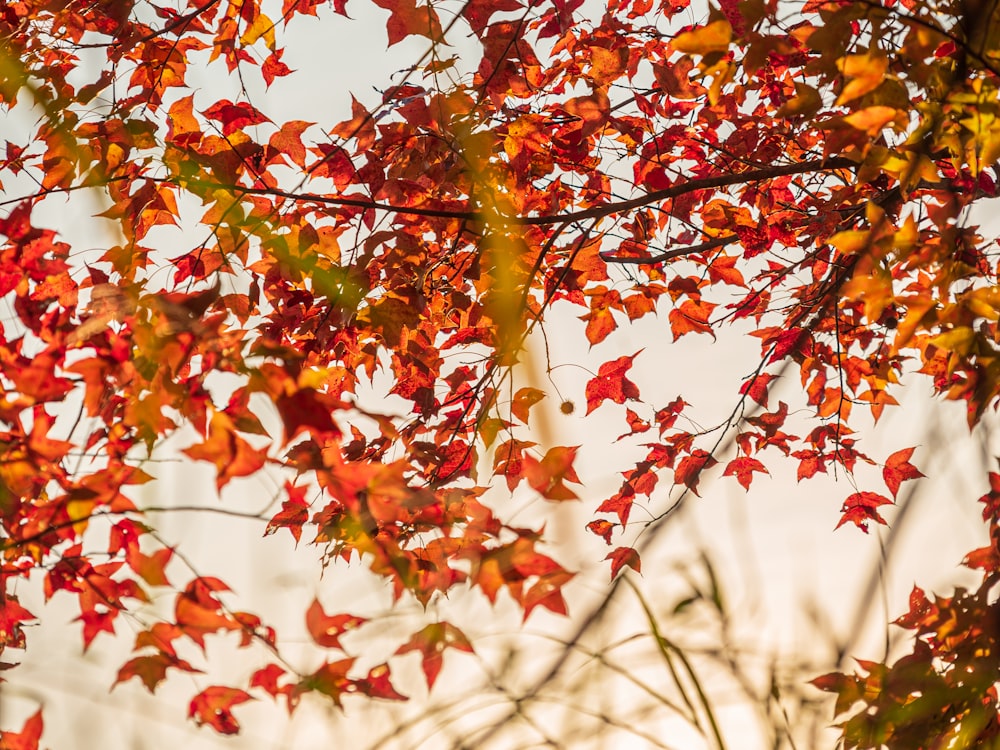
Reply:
x=679, y=252
x=167, y=28
x=597, y=212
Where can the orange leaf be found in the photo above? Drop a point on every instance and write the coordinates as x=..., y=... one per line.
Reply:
x=152, y=669
x=547, y=476
x=898, y=469
x=524, y=399
x=27, y=738
x=232, y=455
x=715, y=37
x=691, y=317
x=406, y=19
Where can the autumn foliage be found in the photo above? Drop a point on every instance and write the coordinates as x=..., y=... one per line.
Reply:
x=801, y=172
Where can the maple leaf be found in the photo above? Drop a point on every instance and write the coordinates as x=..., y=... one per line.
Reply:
x=232, y=455
x=29, y=736
x=743, y=468
x=692, y=316
x=898, y=469
x=308, y=410
x=326, y=630
x=602, y=528
x=612, y=384
x=548, y=475
x=636, y=424
x=234, y=117
x=293, y=514
x=152, y=669
x=714, y=37
x=861, y=507
x=757, y=386
x=431, y=642
x=12, y=614
x=378, y=684
x=621, y=557
x=274, y=68
x=198, y=612
x=407, y=18
x=690, y=468
x=267, y=678
x=330, y=679
x=213, y=706
x=524, y=399
x=288, y=141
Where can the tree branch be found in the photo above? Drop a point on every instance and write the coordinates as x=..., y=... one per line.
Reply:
x=597, y=212
x=679, y=252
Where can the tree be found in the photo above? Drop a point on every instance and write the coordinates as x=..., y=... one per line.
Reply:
x=801, y=173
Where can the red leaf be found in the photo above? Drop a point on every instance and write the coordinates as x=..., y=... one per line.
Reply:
x=621, y=557
x=234, y=116
x=273, y=67
x=636, y=424
x=612, y=384
x=213, y=706
x=786, y=342
x=267, y=678
x=620, y=504
x=742, y=468
x=810, y=462
x=12, y=615
x=756, y=387
x=898, y=469
x=308, y=410
x=377, y=684
x=288, y=140
x=431, y=642
x=326, y=630
x=860, y=508
x=688, y=471
x=293, y=514
x=602, y=528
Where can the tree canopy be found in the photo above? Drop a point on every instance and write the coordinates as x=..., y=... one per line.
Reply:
x=805, y=173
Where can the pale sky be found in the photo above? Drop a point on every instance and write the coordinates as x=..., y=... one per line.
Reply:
x=786, y=574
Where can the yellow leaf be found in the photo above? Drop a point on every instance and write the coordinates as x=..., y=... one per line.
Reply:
x=806, y=102
x=262, y=26
x=864, y=73
x=712, y=38
x=874, y=290
x=906, y=238
x=80, y=512
x=958, y=340
x=872, y=119
x=984, y=302
x=851, y=241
